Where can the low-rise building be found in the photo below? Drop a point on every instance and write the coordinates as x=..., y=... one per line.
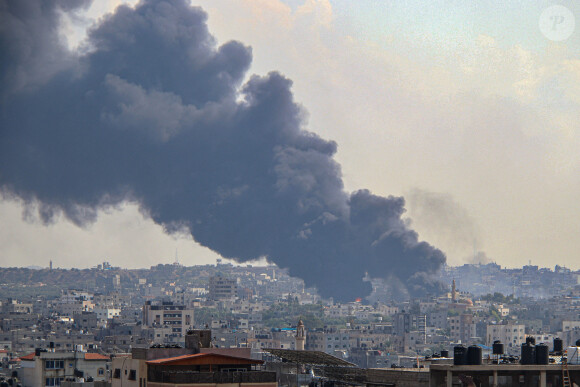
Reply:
x=44, y=368
x=170, y=366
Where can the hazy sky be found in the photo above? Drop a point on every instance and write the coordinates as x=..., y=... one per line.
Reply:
x=468, y=110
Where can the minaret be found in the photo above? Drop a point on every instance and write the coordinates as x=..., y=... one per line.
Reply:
x=453, y=291
x=300, y=336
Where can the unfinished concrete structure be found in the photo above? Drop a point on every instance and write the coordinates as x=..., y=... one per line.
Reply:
x=503, y=375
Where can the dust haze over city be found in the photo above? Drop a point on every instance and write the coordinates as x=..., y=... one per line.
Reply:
x=327, y=137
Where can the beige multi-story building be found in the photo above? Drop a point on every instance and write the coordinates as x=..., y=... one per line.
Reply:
x=14, y=306
x=570, y=325
x=221, y=288
x=168, y=314
x=511, y=335
x=45, y=368
x=462, y=328
x=72, y=308
x=74, y=302
x=328, y=340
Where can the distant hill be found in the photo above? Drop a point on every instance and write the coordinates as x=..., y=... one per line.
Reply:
x=34, y=267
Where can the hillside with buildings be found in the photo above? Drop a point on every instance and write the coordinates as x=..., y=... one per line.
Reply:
x=108, y=311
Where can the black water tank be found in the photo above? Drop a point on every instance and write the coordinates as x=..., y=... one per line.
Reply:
x=578, y=343
x=528, y=354
x=444, y=353
x=474, y=355
x=542, y=354
x=531, y=340
x=558, y=345
x=497, y=348
x=460, y=355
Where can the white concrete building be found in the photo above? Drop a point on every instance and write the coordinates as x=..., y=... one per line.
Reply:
x=511, y=335
x=104, y=314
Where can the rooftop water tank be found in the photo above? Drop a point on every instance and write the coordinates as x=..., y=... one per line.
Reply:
x=474, y=355
x=528, y=354
x=460, y=355
x=497, y=348
x=542, y=354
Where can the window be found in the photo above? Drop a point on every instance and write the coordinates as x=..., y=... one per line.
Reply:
x=54, y=364
x=117, y=373
x=101, y=371
x=53, y=381
x=132, y=375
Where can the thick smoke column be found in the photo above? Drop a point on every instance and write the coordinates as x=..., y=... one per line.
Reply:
x=155, y=113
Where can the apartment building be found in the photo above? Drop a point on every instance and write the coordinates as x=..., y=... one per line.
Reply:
x=222, y=288
x=168, y=314
x=511, y=335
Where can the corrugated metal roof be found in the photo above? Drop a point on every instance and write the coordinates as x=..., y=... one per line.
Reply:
x=309, y=357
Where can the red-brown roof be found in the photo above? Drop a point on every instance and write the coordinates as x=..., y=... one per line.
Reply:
x=205, y=359
x=95, y=356
x=30, y=356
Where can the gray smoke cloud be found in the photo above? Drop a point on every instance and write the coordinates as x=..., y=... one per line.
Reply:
x=446, y=223
x=154, y=112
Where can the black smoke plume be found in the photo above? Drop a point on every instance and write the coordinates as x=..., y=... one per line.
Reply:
x=155, y=113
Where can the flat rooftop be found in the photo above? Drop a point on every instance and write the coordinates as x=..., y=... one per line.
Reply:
x=503, y=367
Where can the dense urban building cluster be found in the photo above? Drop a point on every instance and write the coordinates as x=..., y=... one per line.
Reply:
x=59, y=326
